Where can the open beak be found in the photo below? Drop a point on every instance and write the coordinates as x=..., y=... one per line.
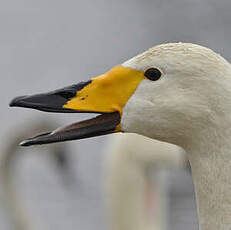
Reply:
x=106, y=95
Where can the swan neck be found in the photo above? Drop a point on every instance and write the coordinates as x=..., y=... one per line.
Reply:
x=211, y=169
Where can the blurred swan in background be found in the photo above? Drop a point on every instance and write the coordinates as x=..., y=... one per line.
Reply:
x=136, y=191
x=20, y=218
x=135, y=188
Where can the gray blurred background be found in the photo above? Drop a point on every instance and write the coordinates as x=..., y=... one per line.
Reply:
x=48, y=44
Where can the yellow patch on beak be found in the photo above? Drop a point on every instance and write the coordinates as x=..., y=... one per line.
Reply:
x=108, y=92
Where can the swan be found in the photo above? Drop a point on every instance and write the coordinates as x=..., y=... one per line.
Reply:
x=20, y=218
x=176, y=92
x=133, y=178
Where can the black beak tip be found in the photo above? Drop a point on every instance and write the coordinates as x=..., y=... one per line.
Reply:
x=27, y=142
x=16, y=101
x=24, y=143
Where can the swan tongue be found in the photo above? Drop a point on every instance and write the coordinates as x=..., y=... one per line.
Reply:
x=103, y=124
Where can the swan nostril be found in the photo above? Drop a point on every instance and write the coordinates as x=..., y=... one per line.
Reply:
x=66, y=94
x=69, y=92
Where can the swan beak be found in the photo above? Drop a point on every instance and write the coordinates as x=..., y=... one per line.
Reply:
x=106, y=94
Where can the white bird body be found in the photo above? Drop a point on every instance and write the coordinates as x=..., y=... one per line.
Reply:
x=130, y=158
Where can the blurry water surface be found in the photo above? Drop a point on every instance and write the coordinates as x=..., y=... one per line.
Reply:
x=47, y=44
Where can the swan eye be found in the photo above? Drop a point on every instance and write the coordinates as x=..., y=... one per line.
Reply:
x=152, y=74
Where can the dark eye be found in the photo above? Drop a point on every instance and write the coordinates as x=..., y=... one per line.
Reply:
x=152, y=74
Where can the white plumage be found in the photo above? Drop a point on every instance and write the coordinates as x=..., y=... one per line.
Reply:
x=189, y=106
